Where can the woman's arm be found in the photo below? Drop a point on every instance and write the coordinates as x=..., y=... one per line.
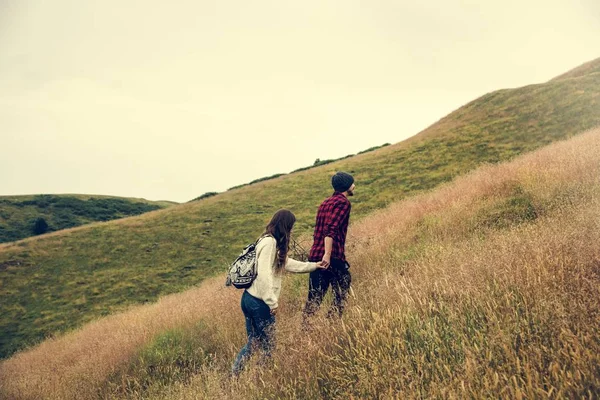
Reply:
x=299, y=266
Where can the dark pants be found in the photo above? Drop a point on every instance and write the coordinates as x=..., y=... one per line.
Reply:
x=338, y=276
x=259, y=327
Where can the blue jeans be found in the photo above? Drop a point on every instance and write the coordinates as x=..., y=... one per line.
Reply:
x=259, y=327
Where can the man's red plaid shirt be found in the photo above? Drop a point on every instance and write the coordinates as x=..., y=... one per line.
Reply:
x=332, y=221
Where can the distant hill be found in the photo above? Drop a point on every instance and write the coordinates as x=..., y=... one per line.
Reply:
x=57, y=282
x=590, y=67
x=25, y=216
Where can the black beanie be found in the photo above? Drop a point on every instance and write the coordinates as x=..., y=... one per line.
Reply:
x=342, y=181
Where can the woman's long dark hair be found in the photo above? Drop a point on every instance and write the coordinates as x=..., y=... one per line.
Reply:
x=280, y=228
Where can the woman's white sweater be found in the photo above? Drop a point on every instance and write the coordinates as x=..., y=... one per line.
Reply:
x=267, y=284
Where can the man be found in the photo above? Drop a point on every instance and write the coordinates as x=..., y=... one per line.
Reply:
x=328, y=248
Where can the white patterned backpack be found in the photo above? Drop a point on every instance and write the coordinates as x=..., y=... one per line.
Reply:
x=244, y=269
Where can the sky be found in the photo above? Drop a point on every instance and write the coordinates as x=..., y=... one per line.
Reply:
x=169, y=100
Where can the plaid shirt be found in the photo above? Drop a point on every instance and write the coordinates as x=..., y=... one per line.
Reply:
x=332, y=221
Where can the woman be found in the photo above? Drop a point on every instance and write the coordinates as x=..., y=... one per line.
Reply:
x=260, y=300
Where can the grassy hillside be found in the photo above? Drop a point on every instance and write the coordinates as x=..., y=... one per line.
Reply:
x=487, y=287
x=21, y=216
x=588, y=68
x=58, y=282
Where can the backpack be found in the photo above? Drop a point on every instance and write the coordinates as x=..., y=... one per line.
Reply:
x=244, y=269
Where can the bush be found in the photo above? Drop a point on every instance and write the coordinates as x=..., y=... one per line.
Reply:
x=205, y=196
x=40, y=226
x=256, y=181
x=373, y=148
x=266, y=178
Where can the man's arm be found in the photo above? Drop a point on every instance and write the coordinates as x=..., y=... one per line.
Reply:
x=328, y=249
x=332, y=223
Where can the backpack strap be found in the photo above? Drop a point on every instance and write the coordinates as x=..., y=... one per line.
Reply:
x=262, y=237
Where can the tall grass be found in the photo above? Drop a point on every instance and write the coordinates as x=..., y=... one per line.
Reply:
x=486, y=287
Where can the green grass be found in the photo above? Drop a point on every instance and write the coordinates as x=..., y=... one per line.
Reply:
x=59, y=282
x=171, y=357
x=18, y=214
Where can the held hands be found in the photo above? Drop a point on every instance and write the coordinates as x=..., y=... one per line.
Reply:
x=274, y=311
x=325, y=262
x=320, y=265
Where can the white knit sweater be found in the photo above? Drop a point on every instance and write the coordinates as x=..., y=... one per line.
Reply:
x=267, y=284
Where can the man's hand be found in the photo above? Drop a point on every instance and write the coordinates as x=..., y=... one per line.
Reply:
x=326, y=261
x=274, y=311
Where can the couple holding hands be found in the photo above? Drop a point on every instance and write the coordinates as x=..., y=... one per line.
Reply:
x=327, y=266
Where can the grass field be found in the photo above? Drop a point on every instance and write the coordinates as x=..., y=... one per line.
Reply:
x=487, y=287
x=60, y=281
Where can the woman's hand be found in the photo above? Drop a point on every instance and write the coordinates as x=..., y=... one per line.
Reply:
x=274, y=311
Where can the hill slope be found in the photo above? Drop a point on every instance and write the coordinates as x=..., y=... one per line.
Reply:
x=487, y=287
x=60, y=281
x=590, y=67
x=18, y=214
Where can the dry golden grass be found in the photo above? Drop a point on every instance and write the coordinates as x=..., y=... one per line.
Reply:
x=74, y=365
x=486, y=287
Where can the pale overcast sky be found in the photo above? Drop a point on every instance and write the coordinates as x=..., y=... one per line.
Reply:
x=167, y=100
